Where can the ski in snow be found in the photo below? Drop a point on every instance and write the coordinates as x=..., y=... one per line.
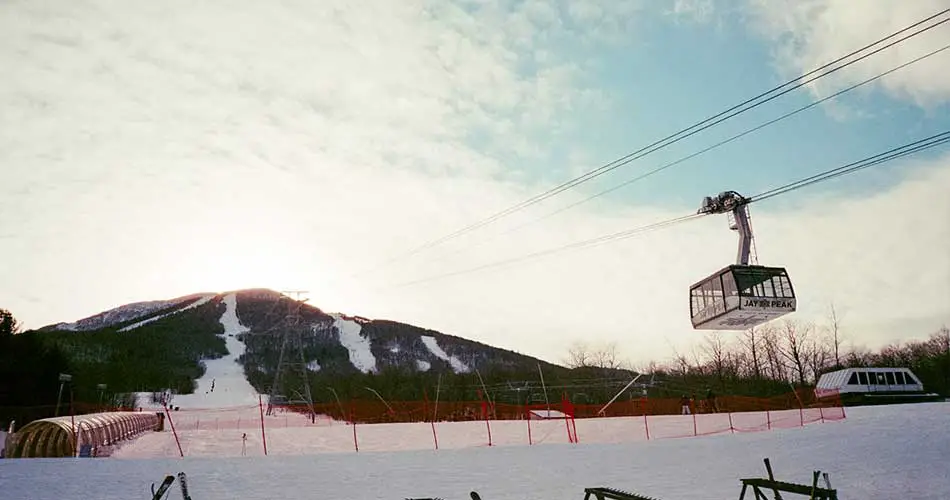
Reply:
x=163, y=489
x=183, y=481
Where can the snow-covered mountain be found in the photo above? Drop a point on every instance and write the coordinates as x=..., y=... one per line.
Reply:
x=126, y=313
x=234, y=340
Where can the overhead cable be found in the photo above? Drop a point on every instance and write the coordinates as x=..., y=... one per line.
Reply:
x=700, y=152
x=682, y=134
x=880, y=158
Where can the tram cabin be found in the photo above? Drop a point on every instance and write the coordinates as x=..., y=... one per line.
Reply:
x=740, y=297
x=874, y=385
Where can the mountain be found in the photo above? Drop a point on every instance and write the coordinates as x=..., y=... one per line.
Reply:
x=170, y=344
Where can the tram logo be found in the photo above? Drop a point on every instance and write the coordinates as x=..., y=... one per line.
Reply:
x=761, y=303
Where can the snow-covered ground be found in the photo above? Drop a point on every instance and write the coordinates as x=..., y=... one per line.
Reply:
x=884, y=452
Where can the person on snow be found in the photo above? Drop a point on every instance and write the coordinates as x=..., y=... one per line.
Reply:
x=684, y=402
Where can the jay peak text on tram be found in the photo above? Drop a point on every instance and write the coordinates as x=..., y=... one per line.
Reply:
x=771, y=303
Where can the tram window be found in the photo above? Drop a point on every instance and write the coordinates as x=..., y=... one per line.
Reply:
x=910, y=379
x=900, y=377
x=716, y=288
x=863, y=377
x=853, y=380
x=890, y=378
x=729, y=285
x=789, y=293
x=696, y=301
x=880, y=378
x=707, y=293
x=782, y=290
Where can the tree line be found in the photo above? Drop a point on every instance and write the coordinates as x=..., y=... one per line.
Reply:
x=770, y=358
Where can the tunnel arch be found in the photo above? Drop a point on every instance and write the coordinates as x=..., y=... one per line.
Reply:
x=62, y=436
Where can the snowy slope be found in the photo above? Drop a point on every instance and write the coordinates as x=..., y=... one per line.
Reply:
x=120, y=314
x=358, y=346
x=200, y=302
x=433, y=346
x=884, y=452
x=230, y=386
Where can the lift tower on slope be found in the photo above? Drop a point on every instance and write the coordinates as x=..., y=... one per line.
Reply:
x=739, y=296
x=291, y=337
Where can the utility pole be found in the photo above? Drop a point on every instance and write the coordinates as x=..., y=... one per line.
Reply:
x=63, y=378
x=291, y=338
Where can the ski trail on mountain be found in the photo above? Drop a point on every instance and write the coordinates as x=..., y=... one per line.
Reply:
x=200, y=302
x=224, y=383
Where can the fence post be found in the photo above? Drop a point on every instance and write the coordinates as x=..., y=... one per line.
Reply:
x=646, y=426
x=731, y=428
x=435, y=438
x=356, y=443
x=487, y=423
x=260, y=404
x=174, y=432
x=527, y=416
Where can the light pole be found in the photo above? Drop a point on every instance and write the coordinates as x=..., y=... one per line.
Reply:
x=102, y=390
x=63, y=378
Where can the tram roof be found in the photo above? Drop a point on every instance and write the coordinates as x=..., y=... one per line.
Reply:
x=749, y=271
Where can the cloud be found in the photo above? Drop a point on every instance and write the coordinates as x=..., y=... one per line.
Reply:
x=807, y=34
x=156, y=150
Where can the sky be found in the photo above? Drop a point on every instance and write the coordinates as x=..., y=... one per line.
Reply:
x=153, y=150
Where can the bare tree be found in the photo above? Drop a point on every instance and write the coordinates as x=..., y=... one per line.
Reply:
x=716, y=351
x=579, y=355
x=607, y=356
x=584, y=355
x=818, y=357
x=751, y=341
x=773, y=357
x=794, y=347
x=835, y=336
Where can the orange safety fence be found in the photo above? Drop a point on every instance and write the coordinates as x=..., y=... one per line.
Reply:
x=404, y=425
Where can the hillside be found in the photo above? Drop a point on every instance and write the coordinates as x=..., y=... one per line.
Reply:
x=169, y=344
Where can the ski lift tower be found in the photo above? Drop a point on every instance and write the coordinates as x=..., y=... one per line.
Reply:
x=739, y=296
x=291, y=333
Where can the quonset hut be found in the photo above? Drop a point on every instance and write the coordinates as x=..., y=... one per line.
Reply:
x=866, y=386
x=71, y=436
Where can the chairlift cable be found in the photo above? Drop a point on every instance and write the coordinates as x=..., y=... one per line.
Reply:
x=670, y=139
x=693, y=155
x=877, y=159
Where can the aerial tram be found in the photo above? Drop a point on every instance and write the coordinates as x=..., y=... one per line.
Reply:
x=739, y=296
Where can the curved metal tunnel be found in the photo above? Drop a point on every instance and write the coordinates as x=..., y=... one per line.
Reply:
x=63, y=436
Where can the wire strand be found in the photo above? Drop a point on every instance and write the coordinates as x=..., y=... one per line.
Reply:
x=703, y=125
x=877, y=159
x=698, y=153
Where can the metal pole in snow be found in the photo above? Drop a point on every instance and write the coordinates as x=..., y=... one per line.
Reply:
x=174, y=432
x=601, y=412
x=260, y=404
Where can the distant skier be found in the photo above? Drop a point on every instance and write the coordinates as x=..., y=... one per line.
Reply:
x=244, y=444
x=212, y=385
x=684, y=402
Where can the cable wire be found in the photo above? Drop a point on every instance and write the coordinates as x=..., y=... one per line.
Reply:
x=886, y=156
x=571, y=246
x=891, y=154
x=703, y=125
x=698, y=153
